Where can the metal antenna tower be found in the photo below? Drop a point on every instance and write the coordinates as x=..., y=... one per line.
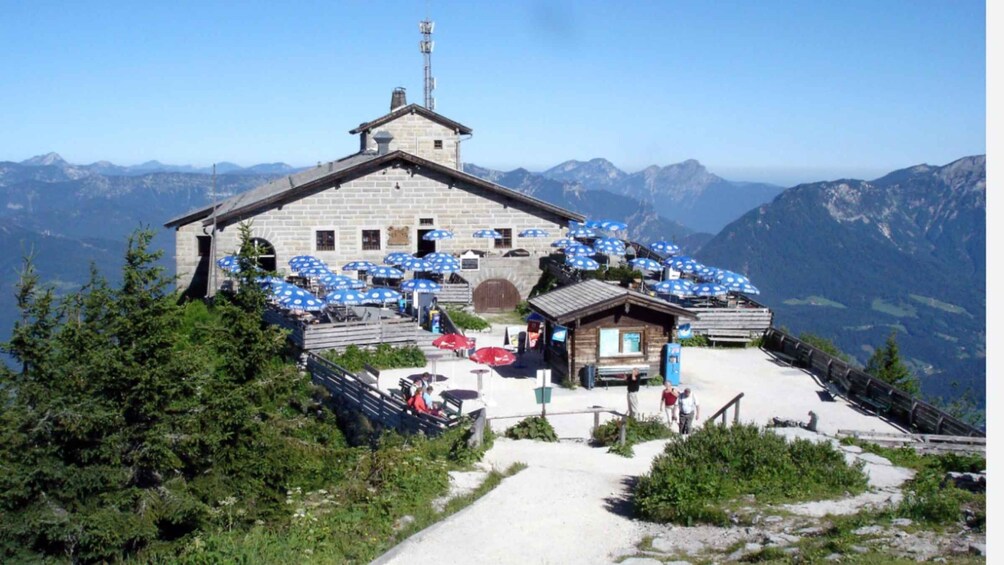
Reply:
x=425, y=46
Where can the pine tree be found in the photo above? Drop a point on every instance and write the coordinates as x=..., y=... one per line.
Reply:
x=885, y=364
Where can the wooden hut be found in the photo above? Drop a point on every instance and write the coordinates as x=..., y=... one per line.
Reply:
x=606, y=326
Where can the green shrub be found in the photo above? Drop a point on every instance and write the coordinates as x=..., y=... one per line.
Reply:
x=656, y=380
x=384, y=356
x=927, y=501
x=697, y=340
x=626, y=450
x=756, y=342
x=534, y=427
x=523, y=308
x=467, y=321
x=695, y=476
x=638, y=431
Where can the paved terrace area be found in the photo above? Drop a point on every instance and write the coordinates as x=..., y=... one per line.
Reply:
x=714, y=375
x=572, y=502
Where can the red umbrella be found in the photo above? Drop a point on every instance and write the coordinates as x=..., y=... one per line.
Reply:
x=493, y=357
x=452, y=342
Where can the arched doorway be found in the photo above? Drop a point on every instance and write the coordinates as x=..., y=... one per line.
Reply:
x=495, y=295
x=265, y=252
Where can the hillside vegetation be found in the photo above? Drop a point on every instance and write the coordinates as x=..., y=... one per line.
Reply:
x=134, y=427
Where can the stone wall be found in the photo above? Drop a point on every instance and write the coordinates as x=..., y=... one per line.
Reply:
x=416, y=134
x=394, y=197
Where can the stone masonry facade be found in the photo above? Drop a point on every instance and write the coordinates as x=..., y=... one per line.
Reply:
x=418, y=135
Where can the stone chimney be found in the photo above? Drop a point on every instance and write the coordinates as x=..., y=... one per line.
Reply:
x=398, y=99
x=383, y=139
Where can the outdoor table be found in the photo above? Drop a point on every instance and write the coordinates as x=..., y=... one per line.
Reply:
x=435, y=378
x=461, y=394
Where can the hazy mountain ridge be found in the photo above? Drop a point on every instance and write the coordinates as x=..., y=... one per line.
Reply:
x=110, y=169
x=684, y=192
x=853, y=259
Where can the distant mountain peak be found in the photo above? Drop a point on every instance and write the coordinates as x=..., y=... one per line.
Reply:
x=50, y=158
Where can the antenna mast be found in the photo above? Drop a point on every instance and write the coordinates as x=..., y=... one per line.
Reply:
x=425, y=46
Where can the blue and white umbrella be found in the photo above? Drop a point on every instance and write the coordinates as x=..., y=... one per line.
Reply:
x=728, y=277
x=395, y=258
x=345, y=297
x=579, y=249
x=533, y=232
x=563, y=242
x=416, y=264
x=303, y=260
x=487, y=234
x=608, y=248
x=314, y=271
x=268, y=282
x=645, y=264
x=674, y=287
x=228, y=264
x=582, y=262
x=435, y=235
x=382, y=295
x=581, y=232
x=358, y=266
x=445, y=267
x=333, y=278
x=664, y=248
x=612, y=226
x=707, y=274
x=345, y=284
x=439, y=256
x=742, y=288
x=709, y=289
x=283, y=291
x=305, y=303
x=420, y=285
x=385, y=272
x=691, y=267
x=592, y=224
x=678, y=262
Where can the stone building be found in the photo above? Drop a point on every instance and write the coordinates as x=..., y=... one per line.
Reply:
x=405, y=180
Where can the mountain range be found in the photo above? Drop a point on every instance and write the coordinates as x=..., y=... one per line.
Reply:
x=847, y=259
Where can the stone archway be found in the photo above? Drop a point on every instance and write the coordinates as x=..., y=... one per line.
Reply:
x=495, y=295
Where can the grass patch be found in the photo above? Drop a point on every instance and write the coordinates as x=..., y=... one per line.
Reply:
x=493, y=480
x=935, y=303
x=898, y=310
x=694, y=479
x=638, y=431
x=697, y=340
x=467, y=321
x=535, y=428
x=814, y=301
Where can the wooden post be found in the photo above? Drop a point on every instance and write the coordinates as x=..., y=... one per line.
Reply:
x=596, y=421
x=735, y=419
x=622, y=433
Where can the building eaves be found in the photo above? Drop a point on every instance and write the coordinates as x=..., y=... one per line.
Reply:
x=413, y=109
x=575, y=301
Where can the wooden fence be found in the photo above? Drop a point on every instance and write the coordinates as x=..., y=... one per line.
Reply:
x=454, y=293
x=370, y=401
x=313, y=337
x=867, y=391
x=753, y=321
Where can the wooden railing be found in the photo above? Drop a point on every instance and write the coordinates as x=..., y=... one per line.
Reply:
x=370, y=401
x=313, y=337
x=723, y=411
x=868, y=392
x=454, y=293
x=595, y=411
x=924, y=443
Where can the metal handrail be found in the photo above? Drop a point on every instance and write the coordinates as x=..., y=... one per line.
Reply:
x=722, y=411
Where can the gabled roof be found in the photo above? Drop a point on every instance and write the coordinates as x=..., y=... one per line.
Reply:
x=575, y=301
x=292, y=187
x=413, y=109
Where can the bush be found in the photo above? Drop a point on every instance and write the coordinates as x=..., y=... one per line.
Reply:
x=694, y=477
x=697, y=340
x=385, y=356
x=467, y=321
x=534, y=427
x=523, y=308
x=656, y=380
x=638, y=431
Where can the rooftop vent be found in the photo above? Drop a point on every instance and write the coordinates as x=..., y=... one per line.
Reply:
x=398, y=99
x=383, y=139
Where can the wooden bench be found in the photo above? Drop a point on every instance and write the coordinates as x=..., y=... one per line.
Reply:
x=452, y=407
x=783, y=357
x=369, y=375
x=736, y=336
x=878, y=404
x=618, y=374
x=405, y=387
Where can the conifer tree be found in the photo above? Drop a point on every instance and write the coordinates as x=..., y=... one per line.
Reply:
x=885, y=364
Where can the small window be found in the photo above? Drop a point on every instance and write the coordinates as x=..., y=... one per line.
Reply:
x=205, y=245
x=437, y=144
x=615, y=342
x=505, y=242
x=371, y=240
x=325, y=240
x=426, y=221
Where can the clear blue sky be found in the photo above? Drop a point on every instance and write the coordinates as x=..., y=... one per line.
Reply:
x=779, y=91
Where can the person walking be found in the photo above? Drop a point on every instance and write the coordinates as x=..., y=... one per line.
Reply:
x=667, y=403
x=690, y=411
x=633, y=382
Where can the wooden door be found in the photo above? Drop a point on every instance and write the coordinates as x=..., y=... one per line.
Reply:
x=495, y=295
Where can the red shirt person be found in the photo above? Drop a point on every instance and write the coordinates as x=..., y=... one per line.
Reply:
x=668, y=402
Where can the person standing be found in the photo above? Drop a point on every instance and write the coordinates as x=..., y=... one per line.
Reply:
x=690, y=411
x=633, y=382
x=668, y=402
